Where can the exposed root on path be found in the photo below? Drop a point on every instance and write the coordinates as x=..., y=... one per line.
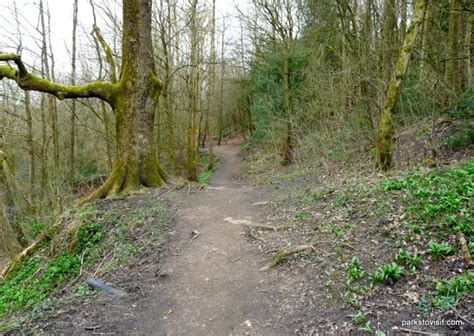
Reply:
x=280, y=256
x=266, y=227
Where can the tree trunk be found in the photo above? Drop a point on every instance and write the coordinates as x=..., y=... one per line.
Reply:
x=9, y=245
x=136, y=163
x=11, y=195
x=468, y=46
x=389, y=35
x=31, y=148
x=427, y=42
x=220, y=118
x=191, y=147
x=453, y=65
x=384, y=141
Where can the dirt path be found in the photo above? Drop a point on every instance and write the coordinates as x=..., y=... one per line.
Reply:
x=205, y=279
x=214, y=286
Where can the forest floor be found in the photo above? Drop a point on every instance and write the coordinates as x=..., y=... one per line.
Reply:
x=205, y=277
x=205, y=280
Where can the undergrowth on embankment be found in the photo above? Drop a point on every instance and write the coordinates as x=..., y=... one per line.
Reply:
x=110, y=235
x=384, y=249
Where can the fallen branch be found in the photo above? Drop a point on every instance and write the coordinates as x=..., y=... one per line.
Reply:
x=281, y=255
x=22, y=255
x=460, y=316
x=410, y=331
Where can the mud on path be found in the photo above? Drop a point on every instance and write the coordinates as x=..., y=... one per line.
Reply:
x=205, y=280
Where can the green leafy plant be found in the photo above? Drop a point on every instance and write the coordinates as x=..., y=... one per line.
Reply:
x=410, y=261
x=355, y=271
x=359, y=318
x=89, y=234
x=388, y=272
x=354, y=300
x=416, y=229
x=439, y=250
x=367, y=327
x=448, y=292
x=34, y=279
x=439, y=201
x=422, y=305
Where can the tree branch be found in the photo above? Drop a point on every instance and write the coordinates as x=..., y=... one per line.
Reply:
x=108, y=53
x=28, y=82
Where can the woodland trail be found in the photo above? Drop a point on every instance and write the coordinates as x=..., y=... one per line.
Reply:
x=214, y=286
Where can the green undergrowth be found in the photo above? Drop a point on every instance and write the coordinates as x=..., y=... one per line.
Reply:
x=436, y=206
x=209, y=164
x=389, y=236
x=109, y=235
x=440, y=203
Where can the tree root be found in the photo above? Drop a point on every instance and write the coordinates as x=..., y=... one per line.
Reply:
x=266, y=227
x=281, y=255
x=121, y=181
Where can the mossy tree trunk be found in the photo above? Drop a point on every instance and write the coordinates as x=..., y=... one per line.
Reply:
x=134, y=102
x=384, y=140
x=133, y=99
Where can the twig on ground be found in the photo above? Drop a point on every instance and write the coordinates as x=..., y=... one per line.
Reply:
x=194, y=234
x=410, y=331
x=461, y=317
x=102, y=262
x=252, y=235
x=213, y=250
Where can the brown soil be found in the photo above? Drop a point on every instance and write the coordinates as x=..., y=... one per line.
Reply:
x=206, y=278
